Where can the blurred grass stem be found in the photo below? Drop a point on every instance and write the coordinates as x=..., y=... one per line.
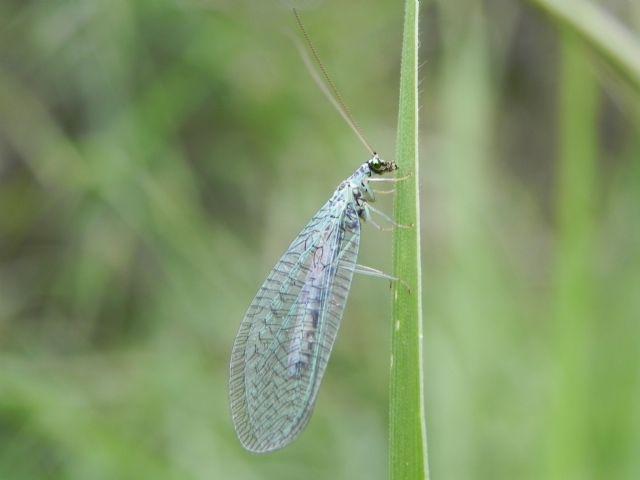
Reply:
x=607, y=36
x=579, y=96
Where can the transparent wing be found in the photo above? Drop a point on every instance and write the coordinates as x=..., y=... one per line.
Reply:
x=285, y=339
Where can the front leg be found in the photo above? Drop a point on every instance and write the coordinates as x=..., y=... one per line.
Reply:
x=363, y=212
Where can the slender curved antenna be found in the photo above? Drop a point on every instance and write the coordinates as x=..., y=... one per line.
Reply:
x=327, y=86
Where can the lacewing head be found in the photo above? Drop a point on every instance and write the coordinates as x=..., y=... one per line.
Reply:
x=380, y=166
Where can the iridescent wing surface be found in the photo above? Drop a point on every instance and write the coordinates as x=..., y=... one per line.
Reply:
x=285, y=339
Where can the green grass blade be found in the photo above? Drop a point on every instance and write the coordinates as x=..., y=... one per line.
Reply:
x=609, y=38
x=407, y=431
x=575, y=292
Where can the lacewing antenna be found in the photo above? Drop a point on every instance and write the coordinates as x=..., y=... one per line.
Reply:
x=324, y=82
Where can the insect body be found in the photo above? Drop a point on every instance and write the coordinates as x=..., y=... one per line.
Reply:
x=285, y=339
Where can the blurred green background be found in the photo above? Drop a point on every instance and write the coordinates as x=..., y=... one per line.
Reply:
x=156, y=158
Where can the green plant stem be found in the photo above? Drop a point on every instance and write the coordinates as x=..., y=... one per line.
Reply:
x=608, y=37
x=407, y=431
x=579, y=96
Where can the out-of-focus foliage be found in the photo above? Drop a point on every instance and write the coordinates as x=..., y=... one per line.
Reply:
x=156, y=157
